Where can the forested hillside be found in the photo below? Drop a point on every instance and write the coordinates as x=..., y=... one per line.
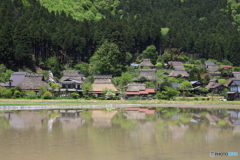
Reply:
x=117, y=32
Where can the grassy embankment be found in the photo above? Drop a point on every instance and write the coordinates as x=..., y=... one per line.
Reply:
x=41, y=102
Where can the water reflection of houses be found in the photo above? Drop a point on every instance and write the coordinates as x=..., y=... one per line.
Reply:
x=71, y=119
x=25, y=119
x=138, y=113
x=235, y=119
x=102, y=118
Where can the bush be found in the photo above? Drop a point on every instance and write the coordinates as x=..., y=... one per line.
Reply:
x=47, y=95
x=196, y=99
x=7, y=93
x=74, y=95
x=203, y=99
x=17, y=94
x=30, y=95
x=100, y=98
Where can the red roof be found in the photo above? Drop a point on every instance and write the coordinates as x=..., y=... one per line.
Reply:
x=227, y=66
x=143, y=92
x=150, y=90
x=145, y=110
x=147, y=91
x=133, y=93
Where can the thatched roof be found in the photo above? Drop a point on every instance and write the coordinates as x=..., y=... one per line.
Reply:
x=136, y=87
x=211, y=83
x=32, y=82
x=149, y=74
x=146, y=63
x=228, y=82
x=102, y=119
x=236, y=75
x=102, y=82
x=176, y=73
x=213, y=69
x=103, y=77
x=178, y=68
x=101, y=87
x=71, y=74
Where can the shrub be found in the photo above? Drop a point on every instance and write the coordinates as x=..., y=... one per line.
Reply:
x=203, y=99
x=7, y=93
x=100, y=98
x=47, y=95
x=74, y=95
x=196, y=99
x=110, y=95
x=30, y=95
x=17, y=94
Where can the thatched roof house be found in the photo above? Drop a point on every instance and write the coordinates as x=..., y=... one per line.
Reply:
x=139, y=89
x=102, y=119
x=32, y=82
x=213, y=69
x=146, y=63
x=72, y=74
x=236, y=75
x=102, y=82
x=179, y=68
x=149, y=74
x=175, y=73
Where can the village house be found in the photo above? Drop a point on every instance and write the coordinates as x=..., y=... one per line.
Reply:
x=102, y=83
x=15, y=79
x=148, y=74
x=27, y=81
x=146, y=63
x=71, y=82
x=234, y=93
x=212, y=68
x=179, y=71
x=139, y=90
x=33, y=82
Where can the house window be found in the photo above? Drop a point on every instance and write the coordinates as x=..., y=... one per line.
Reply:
x=233, y=89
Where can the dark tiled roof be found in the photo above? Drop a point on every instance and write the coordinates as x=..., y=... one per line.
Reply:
x=236, y=82
x=216, y=85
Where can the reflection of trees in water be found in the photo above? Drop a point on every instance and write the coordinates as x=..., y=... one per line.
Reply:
x=4, y=123
x=87, y=115
x=121, y=119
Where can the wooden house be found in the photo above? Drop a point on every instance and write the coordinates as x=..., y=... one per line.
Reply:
x=234, y=93
x=212, y=68
x=71, y=81
x=139, y=90
x=149, y=74
x=33, y=82
x=101, y=83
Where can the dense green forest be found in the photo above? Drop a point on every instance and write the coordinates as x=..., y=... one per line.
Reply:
x=111, y=34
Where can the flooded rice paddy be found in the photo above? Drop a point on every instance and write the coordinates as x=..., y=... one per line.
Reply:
x=119, y=134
